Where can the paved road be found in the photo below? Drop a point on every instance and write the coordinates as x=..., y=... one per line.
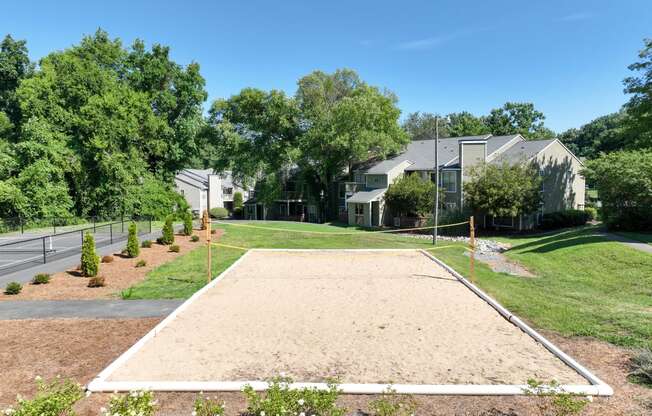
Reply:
x=52, y=309
x=630, y=243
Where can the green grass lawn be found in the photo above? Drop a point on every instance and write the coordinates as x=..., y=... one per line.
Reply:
x=586, y=285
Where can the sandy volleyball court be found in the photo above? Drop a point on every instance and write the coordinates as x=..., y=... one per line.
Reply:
x=361, y=316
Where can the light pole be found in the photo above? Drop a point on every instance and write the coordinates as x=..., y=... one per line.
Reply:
x=435, y=216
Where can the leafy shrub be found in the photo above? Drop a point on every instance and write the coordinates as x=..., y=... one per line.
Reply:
x=139, y=403
x=141, y=263
x=641, y=367
x=238, y=212
x=591, y=212
x=554, y=400
x=41, y=279
x=562, y=219
x=107, y=259
x=52, y=399
x=187, y=224
x=623, y=180
x=280, y=400
x=391, y=404
x=194, y=238
x=204, y=406
x=13, y=288
x=132, y=249
x=168, y=233
x=175, y=248
x=219, y=213
x=96, y=281
x=146, y=244
x=411, y=196
x=90, y=263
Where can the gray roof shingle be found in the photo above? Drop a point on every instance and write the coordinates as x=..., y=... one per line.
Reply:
x=522, y=151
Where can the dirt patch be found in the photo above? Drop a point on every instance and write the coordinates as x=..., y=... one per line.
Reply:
x=81, y=348
x=120, y=274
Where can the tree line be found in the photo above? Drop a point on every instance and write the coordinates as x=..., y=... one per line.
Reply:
x=102, y=129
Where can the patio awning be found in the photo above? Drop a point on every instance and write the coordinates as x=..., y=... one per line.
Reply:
x=364, y=197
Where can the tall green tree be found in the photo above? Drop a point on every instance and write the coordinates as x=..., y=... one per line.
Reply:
x=345, y=121
x=518, y=118
x=466, y=124
x=604, y=134
x=14, y=67
x=639, y=106
x=420, y=126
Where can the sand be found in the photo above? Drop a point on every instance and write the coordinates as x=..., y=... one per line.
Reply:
x=363, y=317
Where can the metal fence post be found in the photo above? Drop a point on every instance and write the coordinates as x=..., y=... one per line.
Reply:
x=150, y=225
x=22, y=225
x=44, y=254
x=94, y=224
x=111, y=232
x=54, y=225
x=122, y=224
x=81, y=233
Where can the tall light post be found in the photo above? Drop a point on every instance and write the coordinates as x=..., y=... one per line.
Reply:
x=436, y=209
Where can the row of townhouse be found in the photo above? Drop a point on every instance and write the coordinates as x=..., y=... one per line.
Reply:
x=204, y=189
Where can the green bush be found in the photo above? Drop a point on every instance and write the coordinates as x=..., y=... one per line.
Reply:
x=238, y=212
x=41, y=279
x=194, y=238
x=280, y=400
x=391, y=404
x=141, y=263
x=187, y=224
x=204, y=406
x=623, y=181
x=52, y=399
x=238, y=204
x=146, y=244
x=13, y=288
x=139, y=403
x=411, y=196
x=591, y=212
x=175, y=248
x=90, y=262
x=219, y=213
x=562, y=219
x=168, y=232
x=132, y=249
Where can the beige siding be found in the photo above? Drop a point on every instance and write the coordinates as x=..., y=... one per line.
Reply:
x=564, y=186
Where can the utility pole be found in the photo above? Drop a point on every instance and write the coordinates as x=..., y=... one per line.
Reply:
x=436, y=210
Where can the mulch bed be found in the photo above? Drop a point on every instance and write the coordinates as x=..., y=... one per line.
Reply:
x=80, y=349
x=120, y=274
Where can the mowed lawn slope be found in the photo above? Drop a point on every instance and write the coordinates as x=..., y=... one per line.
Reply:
x=585, y=284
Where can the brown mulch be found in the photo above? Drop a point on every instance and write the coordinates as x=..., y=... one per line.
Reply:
x=80, y=349
x=120, y=274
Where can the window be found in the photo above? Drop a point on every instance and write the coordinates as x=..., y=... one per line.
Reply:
x=359, y=209
x=227, y=191
x=449, y=180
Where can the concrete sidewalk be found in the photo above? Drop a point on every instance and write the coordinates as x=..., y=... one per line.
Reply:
x=87, y=309
x=638, y=245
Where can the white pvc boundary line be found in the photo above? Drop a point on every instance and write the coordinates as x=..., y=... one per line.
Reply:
x=100, y=383
x=603, y=388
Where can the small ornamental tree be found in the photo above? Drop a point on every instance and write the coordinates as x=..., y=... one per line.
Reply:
x=168, y=233
x=90, y=262
x=503, y=190
x=411, y=196
x=187, y=224
x=624, y=184
x=133, y=249
x=237, y=200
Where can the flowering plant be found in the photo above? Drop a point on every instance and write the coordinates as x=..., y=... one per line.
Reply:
x=54, y=398
x=136, y=403
x=281, y=400
x=204, y=406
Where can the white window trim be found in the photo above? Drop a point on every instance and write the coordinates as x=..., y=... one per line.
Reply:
x=454, y=191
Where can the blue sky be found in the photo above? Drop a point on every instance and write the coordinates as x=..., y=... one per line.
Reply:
x=568, y=57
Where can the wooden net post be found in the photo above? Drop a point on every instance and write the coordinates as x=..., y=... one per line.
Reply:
x=472, y=246
x=207, y=225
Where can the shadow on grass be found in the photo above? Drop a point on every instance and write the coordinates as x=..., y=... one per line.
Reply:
x=565, y=243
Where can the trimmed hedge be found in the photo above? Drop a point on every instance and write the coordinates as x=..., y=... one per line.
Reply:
x=563, y=219
x=219, y=213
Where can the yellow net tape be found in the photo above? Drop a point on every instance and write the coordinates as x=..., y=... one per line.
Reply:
x=399, y=230
x=230, y=246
